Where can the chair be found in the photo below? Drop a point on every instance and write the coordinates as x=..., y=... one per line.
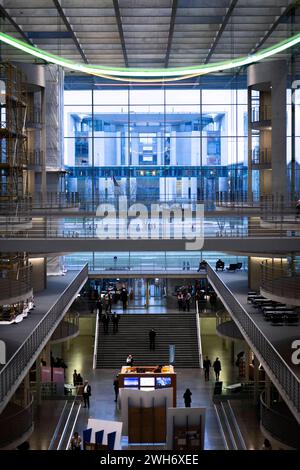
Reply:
x=232, y=267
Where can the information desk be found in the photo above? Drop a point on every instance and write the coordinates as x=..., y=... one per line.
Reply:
x=148, y=378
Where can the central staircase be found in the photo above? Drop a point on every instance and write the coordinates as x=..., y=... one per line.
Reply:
x=178, y=328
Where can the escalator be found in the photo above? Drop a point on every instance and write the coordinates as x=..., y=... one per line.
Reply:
x=229, y=428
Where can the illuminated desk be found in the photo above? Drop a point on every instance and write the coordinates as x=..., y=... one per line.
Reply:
x=148, y=378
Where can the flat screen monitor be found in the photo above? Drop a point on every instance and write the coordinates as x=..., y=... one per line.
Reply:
x=163, y=382
x=147, y=382
x=131, y=381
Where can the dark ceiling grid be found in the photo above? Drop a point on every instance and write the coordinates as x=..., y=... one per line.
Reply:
x=120, y=28
x=70, y=29
x=220, y=31
x=171, y=31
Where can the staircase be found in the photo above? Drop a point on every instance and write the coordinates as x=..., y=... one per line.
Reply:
x=133, y=338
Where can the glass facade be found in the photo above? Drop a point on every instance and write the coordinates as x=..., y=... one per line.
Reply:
x=182, y=142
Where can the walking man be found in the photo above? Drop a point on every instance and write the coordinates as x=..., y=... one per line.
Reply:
x=217, y=368
x=116, y=388
x=86, y=394
x=206, y=367
x=152, y=336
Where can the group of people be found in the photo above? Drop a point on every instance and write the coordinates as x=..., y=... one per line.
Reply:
x=77, y=379
x=184, y=298
x=216, y=366
x=106, y=319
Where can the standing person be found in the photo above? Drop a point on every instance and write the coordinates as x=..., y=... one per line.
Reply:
x=79, y=379
x=184, y=301
x=217, y=368
x=180, y=300
x=108, y=302
x=105, y=321
x=188, y=300
x=115, y=321
x=99, y=307
x=187, y=396
x=206, y=367
x=75, y=443
x=116, y=388
x=129, y=360
x=75, y=377
x=266, y=445
x=124, y=298
x=86, y=394
x=152, y=336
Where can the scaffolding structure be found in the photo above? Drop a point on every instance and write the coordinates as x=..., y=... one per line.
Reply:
x=13, y=141
x=15, y=269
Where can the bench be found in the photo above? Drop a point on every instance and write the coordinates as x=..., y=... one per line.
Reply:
x=234, y=267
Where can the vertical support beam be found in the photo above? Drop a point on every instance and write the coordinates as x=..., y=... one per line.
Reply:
x=147, y=294
x=250, y=194
x=43, y=147
x=293, y=119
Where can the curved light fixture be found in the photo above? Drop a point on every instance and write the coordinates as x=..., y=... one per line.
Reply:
x=150, y=75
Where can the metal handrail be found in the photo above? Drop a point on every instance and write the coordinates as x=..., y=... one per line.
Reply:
x=68, y=327
x=272, y=361
x=96, y=341
x=199, y=337
x=282, y=427
x=18, y=364
x=16, y=425
x=16, y=283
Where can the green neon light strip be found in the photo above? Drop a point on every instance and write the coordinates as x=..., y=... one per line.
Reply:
x=128, y=73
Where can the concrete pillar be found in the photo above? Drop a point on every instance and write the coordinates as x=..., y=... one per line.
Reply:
x=43, y=147
x=147, y=293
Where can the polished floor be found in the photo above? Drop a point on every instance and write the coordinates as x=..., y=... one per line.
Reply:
x=79, y=356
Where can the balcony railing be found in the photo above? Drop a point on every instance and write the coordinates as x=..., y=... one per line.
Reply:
x=15, y=283
x=35, y=157
x=16, y=425
x=261, y=156
x=273, y=362
x=55, y=200
x=280, y=423
x=68, y=328
x=14, y=369
x=261, y=113
x=281, y=279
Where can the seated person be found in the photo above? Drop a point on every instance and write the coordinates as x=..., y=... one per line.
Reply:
x=202, y=265
x=220, y=265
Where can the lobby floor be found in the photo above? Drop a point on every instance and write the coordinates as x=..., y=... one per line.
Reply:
x=79, y=356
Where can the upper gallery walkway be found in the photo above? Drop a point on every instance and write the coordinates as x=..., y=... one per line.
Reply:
x=171, y=232
x=272, y=344
x=25, y=341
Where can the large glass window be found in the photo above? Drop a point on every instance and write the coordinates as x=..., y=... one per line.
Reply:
x=174, y=142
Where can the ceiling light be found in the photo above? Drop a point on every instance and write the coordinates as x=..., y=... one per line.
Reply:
x=142, y=74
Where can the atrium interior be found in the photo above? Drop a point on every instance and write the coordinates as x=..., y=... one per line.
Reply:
x=149, y=225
